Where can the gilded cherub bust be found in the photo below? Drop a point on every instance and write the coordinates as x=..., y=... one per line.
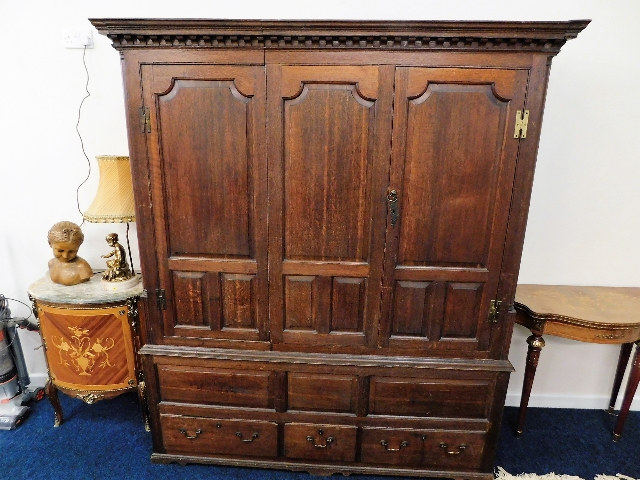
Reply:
x=67, y=268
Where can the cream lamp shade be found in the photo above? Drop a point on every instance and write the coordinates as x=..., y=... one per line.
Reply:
x=114, y=198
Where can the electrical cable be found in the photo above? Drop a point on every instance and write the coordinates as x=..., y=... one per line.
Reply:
x=129, y=248
x=4, y=308
x=84, y=62
x=84, y=52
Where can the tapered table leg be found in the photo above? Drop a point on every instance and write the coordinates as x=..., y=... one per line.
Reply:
x=632, y=386
x=536, y=342
x=142, y=395
x=623, y=360
x=52, y=394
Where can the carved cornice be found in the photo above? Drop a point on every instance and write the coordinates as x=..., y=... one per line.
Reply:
x=547, y=37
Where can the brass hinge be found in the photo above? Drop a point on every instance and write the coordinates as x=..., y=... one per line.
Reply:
x=145, y=120
x=494, y=311
x=161, y=299
x=522, y=120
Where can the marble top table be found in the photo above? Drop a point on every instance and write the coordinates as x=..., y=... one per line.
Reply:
x=91, y=292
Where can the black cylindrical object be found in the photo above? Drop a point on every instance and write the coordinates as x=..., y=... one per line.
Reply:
x=8, y=374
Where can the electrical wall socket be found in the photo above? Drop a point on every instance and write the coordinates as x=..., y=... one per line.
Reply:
x=77, y=39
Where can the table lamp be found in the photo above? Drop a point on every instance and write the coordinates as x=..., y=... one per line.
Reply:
x=114, y=203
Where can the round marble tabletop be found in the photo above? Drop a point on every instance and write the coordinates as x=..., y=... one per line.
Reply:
x=91, y=292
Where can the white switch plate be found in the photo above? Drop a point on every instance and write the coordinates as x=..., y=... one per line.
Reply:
x=77, y=38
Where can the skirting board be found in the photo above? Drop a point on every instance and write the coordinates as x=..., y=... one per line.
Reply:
x=594, y=402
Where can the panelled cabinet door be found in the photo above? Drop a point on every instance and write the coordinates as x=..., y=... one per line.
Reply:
x=452, y=169
x=208, y=175
x=329, y=135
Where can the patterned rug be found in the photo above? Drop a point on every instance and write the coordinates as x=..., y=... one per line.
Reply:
x=502, y=474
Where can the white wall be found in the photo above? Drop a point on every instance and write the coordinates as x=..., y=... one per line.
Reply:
x=584, y=225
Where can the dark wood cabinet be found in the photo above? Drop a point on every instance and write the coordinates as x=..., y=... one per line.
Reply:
x=330, y=218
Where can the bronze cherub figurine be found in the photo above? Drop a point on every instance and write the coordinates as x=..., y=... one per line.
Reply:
x=117, y=268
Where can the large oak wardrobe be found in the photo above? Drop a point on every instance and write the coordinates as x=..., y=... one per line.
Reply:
x=330, y=218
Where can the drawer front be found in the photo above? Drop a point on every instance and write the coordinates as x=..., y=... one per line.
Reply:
x=320, y=442
x=215, y=386
x=432, y=448
x=453, y=450
x=392, y=446
x=219, y=436
x=429, y=398
x=321, y=393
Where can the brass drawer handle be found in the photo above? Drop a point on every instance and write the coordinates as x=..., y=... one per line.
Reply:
x=190, y=437
x=327, y=444
x=453, y=452
x=385, y=444
x=247, y=440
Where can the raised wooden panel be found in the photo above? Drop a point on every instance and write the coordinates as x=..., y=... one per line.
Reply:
x=188, y=290
x=215, y=386
x=429, y=398
x=461, y=310
x=299, y=303
x=238, y=301
x=411, y=306
x=327, y=158
x=210, y=155
x=348, y=304
x=324, y=304
x=324, y=393
x=450, y=172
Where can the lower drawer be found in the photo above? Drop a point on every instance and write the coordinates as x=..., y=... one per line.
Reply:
x=219, y=436
x=435, y=448
x=320, y=442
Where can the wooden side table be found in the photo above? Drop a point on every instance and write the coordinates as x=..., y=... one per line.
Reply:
x=588, y=314
x=91, y=341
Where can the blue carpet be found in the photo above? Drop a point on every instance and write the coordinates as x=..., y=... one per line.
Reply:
x=569, y=442
x=107, y=441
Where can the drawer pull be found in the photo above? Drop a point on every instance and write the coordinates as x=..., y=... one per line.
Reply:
x=403, y=444
x=247, y=440
x=453, y=452
x=190, y=437
x=327, y=444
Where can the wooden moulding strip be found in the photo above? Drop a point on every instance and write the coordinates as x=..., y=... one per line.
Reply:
x=342, y=269
x=328, y=359
x=319, y=468
x=185, y=264
x=451, y=274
